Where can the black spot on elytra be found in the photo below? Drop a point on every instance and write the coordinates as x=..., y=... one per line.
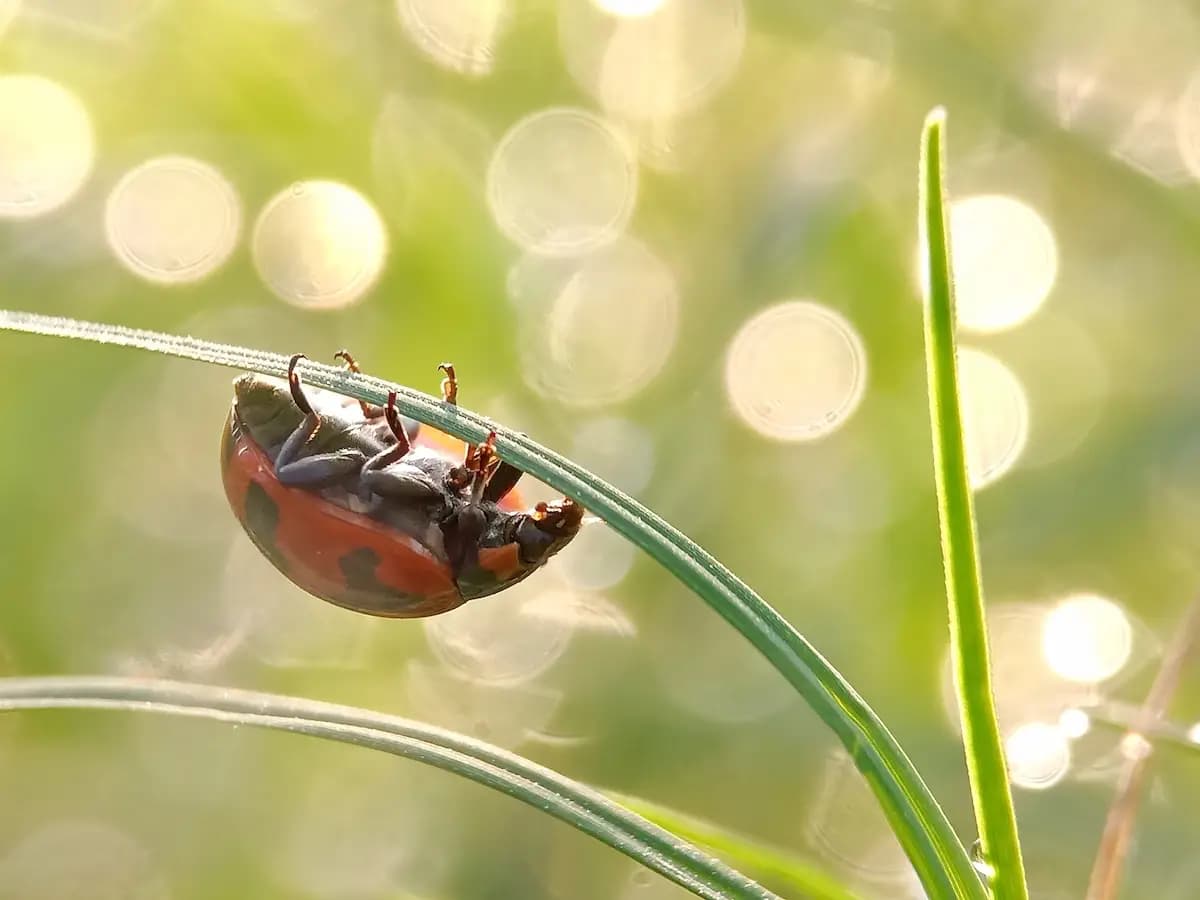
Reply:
x=358, y=567
x=262, y=521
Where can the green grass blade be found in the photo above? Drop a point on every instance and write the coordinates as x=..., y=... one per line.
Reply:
x=577, y=805
x=960, y=553
x=937, y=855
x=751, y=855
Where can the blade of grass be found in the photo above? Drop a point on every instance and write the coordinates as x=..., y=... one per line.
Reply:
x=939, y=858
x=751, y=855
x=1105, y=880
x=577, y=805
x=986, y=768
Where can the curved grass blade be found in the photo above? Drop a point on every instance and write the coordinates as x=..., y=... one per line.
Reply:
x=939, y=858
x=751, y=855
x=582, y=807
x=986, y=768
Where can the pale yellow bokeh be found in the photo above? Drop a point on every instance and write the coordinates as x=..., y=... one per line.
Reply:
x=172, y=219
x=46, y=146
x=459, y=35
x=1005, y=261
x=1039, y=755
x=562, y=181
x=995, y=411
x=795, y=371
x=1087, y=638
x=319, y=245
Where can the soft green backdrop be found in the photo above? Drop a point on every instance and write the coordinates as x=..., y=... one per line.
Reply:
x=797, y=180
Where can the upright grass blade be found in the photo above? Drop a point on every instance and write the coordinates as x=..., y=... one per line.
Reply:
x=577, y=805
x=960, y=554
x=937, y=855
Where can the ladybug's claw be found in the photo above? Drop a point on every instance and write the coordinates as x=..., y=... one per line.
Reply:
x=482, y=462
x=294, y=384
x=449, y=384
x=368, y=411
x=350, y=361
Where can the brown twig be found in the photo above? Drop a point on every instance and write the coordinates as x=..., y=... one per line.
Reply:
x=1118, y=827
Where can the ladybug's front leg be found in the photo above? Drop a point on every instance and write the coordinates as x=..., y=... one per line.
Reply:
x=319, y=470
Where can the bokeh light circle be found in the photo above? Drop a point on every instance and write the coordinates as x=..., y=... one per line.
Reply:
x=995, y=411
x=1074, y=723
x=631, y=8
x=665, y=60
x=616, y=450
x=506, y=641
x=46, y=146
x=796, y=371
x=1005, y=261
x=606, y=332
x=1087, y=638
x=460, y=35
x=562, y=181
x=1134, y=746
x=172, y=219
x=1026, y=688
x=601, y=558
x=1039, y=755
x=319, y=245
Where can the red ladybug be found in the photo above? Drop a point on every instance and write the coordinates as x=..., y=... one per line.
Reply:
x=363, y=509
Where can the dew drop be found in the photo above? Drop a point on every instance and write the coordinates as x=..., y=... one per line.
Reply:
x=980, y=863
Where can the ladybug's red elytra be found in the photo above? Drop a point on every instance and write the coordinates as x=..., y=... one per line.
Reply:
x=365, y=509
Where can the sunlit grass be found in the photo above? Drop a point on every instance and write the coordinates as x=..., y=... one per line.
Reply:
x=935, y=851
x=1001, y=849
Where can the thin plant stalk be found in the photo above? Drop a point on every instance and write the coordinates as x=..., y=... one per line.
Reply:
x=1105, y=880
x=937, y=855
x=994, y=815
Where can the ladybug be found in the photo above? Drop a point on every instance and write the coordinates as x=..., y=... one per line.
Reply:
x=362, y=508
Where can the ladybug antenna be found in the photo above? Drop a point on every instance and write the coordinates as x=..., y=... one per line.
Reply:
x=294, y=384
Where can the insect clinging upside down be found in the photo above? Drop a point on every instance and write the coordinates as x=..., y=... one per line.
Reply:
x=364, y=509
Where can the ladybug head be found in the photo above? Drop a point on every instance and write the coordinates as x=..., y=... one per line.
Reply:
x=492, y=549
x=548, y=529
x=265, y=406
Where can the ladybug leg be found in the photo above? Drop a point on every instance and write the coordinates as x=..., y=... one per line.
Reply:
x=369, y=411
x=402, y=482
x=321, y=470
x=503, y=480
x=296, y=470
x=403, y=444
x=461, y=533
x=450, y=395
x=449, y=384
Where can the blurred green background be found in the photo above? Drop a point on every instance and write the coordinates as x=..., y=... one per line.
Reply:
x=587, y=207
